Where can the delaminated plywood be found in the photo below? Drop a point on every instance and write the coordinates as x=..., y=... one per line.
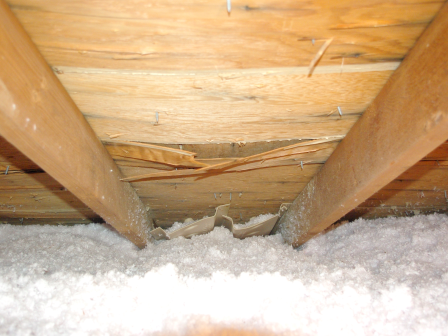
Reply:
x=253, y=192
x=238, y=80
x=252, y=187
x=262, y=189
x=37, y=198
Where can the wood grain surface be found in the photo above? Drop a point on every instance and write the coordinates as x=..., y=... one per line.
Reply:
x=38, y=117
x=232, y=106
x=223, y=87
x=406, y=121
x=178, y=35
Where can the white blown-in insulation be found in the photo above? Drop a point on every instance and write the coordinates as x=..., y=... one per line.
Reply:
x=382, y=277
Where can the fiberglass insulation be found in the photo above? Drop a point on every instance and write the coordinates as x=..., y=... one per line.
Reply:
x=381, y=277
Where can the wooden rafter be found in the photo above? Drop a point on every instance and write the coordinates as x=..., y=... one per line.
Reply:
x=406, y=121
x=40, y=119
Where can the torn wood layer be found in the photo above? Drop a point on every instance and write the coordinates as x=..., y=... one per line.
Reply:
x=251, y=190
x=207, y=85
x=299, y=151
x=157, y=154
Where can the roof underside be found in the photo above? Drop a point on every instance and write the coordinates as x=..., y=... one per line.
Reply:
x=189, y=76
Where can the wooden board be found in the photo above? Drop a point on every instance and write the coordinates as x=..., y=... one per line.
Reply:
x=33, y=203
x=14, y=159
x=213, y=78
x=261, y=187
x=232, y=106
x=233, y=149
x=406, y=121
x=50, y=219
x=38, y=117
x=200, y=35
x=28, y=195
x=313, y=151
x=440, y=153
x=423, y=188
x=262, y=191
x=190, y=201
x=252, y=202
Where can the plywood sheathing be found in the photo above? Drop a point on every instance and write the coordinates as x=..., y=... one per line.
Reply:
x=423, y=188
x=406, y=121
x=28, y=192
x=208, y=77
x=204, y=107
x=262, y=186
x=38, y=117
x=199, y=35
x=29, y=195
x=212, y=79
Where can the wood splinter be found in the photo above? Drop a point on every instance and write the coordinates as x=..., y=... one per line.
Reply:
x=318, y=56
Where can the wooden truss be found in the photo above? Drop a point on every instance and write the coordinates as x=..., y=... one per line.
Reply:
x=40, y=119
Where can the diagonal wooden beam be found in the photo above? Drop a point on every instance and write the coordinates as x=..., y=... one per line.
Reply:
x=406, y=121
x=40, y=119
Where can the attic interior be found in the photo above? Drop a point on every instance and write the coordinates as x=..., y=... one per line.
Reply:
x=172, y=88
x=143, y=113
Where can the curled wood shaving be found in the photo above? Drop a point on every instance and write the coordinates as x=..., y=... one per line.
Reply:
x=113, y=136
x=159, y=154
x=282, y=152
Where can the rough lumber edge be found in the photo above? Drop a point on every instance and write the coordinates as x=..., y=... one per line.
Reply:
x=40, y=119
x=406, y=121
